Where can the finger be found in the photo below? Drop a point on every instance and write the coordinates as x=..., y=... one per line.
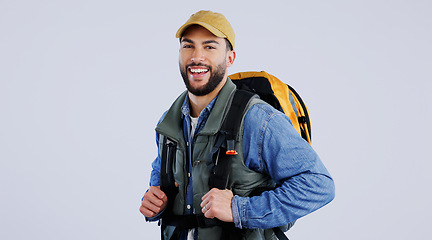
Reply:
x=209, y=193
x=206, y=207
x=206, y=195
x=207, y=201
x=209, y=214
x=157, y=192
x=209, y=196
x=147, y=212
x=204, y=202
x=153, y=200
x=151, y=206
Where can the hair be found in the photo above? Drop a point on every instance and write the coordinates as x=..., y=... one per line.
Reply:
x=229, y=47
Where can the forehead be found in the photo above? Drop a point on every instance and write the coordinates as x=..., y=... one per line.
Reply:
x=199, y=33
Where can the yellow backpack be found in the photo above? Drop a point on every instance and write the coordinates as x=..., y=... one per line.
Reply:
x=278, y=94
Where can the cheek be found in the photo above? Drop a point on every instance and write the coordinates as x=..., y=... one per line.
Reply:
x=181, y=61
x=183, y=56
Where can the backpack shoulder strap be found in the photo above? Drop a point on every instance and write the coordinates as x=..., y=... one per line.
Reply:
x=233, y=118
x=219, y=160
x=303, y=118
x=219, y=175
x=167, y=182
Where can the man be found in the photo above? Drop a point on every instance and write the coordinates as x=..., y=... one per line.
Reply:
x=271, y=152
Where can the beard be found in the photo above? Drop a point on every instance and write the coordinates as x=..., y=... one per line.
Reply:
x=216, y=77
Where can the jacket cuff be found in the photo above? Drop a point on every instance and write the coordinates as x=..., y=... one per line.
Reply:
x=236, y=209
x=155, y=218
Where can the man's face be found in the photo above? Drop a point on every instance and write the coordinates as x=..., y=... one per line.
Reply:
x=203, y=60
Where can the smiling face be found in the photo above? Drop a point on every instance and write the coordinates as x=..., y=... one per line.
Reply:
x=203, y=60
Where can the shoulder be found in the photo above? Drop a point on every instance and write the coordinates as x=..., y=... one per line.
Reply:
x=260, y=112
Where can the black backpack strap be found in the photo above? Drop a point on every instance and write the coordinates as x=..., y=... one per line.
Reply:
x=235, y=113
x=303, y=119
x=185, y=222
x=221, y=155
x=219, y=161
x=279, y=233
x=191, y=221
x=167, y=182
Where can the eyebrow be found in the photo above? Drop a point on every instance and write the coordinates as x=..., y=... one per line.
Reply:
x=205, y=42
x=186, y=40
x=211, y=41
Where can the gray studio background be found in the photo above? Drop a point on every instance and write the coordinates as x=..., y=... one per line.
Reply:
x=83, y=83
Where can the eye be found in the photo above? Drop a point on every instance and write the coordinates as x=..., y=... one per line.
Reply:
x=210, y=47
x=187, y=46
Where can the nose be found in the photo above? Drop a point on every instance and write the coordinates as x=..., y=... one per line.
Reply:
x=197, y=56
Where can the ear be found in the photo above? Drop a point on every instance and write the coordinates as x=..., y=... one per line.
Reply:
x=231, y=55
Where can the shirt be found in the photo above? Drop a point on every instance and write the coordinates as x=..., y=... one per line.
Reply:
x=271, y=146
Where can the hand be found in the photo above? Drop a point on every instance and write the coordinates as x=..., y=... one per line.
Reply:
x=217, y=204
x=154, y=201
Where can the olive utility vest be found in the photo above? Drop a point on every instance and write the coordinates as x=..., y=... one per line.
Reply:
x=242, y=180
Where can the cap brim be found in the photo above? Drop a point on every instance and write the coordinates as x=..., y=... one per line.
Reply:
x=212, y=29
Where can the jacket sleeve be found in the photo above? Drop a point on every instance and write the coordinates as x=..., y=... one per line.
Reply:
x=155, y=175
x=272, y=146
x=156, y=164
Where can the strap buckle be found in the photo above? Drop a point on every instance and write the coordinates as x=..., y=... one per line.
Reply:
x=230, y=147
x=231, y=152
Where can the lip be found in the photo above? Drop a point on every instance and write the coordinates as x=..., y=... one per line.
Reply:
x=198, y=68
x=198, y=71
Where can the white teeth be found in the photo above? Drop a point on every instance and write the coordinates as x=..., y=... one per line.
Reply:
x=199, y=70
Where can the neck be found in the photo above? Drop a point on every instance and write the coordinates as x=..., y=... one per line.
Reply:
x=198, y=103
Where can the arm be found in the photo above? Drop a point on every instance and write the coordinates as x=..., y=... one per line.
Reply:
x=280, y=152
